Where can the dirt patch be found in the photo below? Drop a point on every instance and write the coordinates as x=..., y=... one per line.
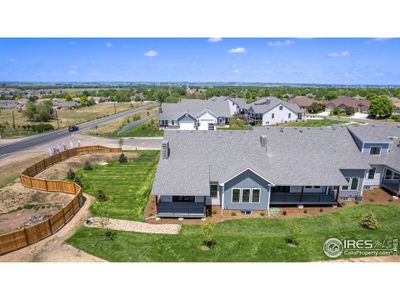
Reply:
x=379, y=196
x=16, y=196
x=53, y=248
x=59, y=171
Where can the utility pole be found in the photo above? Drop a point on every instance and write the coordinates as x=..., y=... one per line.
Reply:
x=115, y=108
x=13, y=119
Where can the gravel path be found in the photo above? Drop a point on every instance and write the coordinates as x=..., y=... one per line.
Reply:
x=125, y=225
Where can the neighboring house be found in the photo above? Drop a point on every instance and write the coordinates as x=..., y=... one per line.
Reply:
x=302, y=101
x=191, y=114
x=272, y=110
x=267, y=167
x=396, y=108
x=394, y=99
x=13, y=104
x=237, y=106
x=343, y=102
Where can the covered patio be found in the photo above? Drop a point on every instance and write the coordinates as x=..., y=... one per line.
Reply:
x=181, y=210
x=302, y=199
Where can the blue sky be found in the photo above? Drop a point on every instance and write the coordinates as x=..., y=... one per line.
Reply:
x=278, y=60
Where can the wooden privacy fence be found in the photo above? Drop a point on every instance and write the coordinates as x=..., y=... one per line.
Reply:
x=27, y=236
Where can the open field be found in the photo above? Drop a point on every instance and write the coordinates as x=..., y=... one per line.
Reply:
x=66, y=117
x=147, y=129
x=126, y=185
x=245, y=240
x=111, y=129
x=315, y=123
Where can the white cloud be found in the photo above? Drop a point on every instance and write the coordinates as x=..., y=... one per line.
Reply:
x=376, y=40
x=379, y=74
x=236, y=71
x=267, y=61
x=281, y=43
x=109, y=45
x=72, y=72
x=151, y=53
x=214, y=40
x=73, y=67
x=237, y=50
x=344, y=53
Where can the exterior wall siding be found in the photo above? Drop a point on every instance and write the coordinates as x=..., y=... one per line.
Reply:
x=353, y=173
x=376, y=181
x=280, y=116
x=246, y=179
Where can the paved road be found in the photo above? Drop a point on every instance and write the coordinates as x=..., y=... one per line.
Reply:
x=42, y=139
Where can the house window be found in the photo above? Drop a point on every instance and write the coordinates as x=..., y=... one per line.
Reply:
x=317, y=187
x=256, y=196
x=183, y=199
x=246, y=195
x=280, y=189
x=371, y=173
x=375, y=150
x=235, y=195
x=354, y=184
x=173, y=122
x=214, y=190
x=280, y=107
x=272, y=115
x=388, y=174
x=308, y=187
x=346, y=187
x=289, y=115
x=396, y=176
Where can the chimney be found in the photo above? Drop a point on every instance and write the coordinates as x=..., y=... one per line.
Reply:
x=263, y=141
x=165, y=150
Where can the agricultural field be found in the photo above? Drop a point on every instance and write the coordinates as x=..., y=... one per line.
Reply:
x=66, y=117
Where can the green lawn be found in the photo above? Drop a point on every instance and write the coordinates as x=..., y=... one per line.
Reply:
x=237, y=124
x=126, y=185
x=245, y=240
x=147, y=129
x=316, y=123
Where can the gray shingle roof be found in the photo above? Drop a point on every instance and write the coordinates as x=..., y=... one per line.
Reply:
x=382, y=133
x=264, y=105
x=172, y=111
x=306, y=156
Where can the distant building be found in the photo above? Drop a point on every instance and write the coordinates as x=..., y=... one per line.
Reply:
x=303, y=101
x=343, y=102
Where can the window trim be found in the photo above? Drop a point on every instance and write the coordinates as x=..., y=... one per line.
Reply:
x=350, y=180
x=391, y=175
x=217, y=191
x=259, y=195
x=369, y=173
x=250, y=196
x=375, y=147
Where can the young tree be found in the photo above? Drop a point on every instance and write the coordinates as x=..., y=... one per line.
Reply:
x=350, y=111
x=381, y=106
x=122, y=159
x=70, y=174
x=207, y=235
x=315, y=108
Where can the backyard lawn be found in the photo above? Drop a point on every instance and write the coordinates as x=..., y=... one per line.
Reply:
x=316, y=123
x=147, y=129
x=251, y=240
x=126, y=185
x=237, y=124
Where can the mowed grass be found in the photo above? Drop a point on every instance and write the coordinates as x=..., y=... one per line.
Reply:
x=127, y=186
x=245, y=240
x=315, y=123
x=147, y=129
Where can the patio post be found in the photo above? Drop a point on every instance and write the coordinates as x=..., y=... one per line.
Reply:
x=302, y=194
x=398, y=188
x=337, y=195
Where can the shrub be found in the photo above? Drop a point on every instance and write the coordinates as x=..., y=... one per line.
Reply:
x=78, y=181
x=87, y=166
x=321, y=210
x=371, y=199
x=369, y=221
x=284, y=213
x=207, y=235
x=390, y=199
x=262, y=214
x=101, y=195
x=70, y=174
x=233, y=214
x=305, y=211
x=122, y=159
x=214, y=212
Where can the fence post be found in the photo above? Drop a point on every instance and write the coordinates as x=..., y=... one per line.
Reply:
x=51, y=230
x=47, y=188
x=30, y=180
x=26, y=237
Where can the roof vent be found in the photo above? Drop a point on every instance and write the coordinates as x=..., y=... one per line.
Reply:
x=165, y=149
x=281, y=130
x=263, y=141
x=301, y=130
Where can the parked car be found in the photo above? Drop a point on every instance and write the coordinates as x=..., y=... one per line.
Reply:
x=73, y=128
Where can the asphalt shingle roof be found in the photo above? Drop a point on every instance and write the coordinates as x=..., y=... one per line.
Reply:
x=263, y=105
x=172, y=111
x=303, y=156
